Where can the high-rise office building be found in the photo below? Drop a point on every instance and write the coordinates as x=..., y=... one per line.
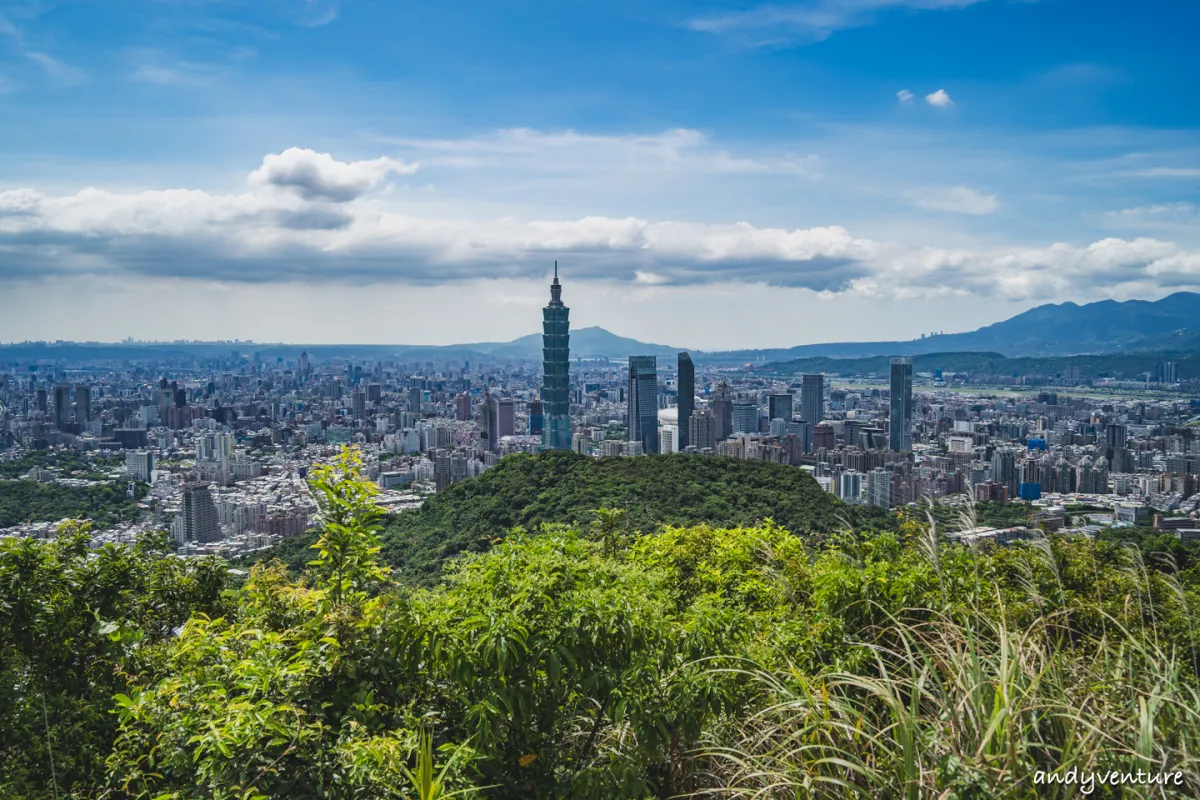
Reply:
x=556, y=366
x=62, y=406
x=506, y=417
x=491, y=422
x=537, y=418
x=83, y=404
x=200, y=514
x=900, y=426
x=779, y=406
x=414, y=399
x=462, y=407
x=687, y=398
x=812, y=399
x=166, y=399
x=1115, y=436
x=722, y=408
x=879, y=488
x=643, y=402
x=1168, y=372
x=42, y=402
x=359, y=405
x=745, y=418
x=702, y=431
x=803, y=431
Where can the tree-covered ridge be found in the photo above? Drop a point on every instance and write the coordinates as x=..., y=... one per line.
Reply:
x=597, y=662
x=65, y=461
x=528, y=491
x=105, y=504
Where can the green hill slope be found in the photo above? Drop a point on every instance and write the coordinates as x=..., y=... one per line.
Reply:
x=527, y=490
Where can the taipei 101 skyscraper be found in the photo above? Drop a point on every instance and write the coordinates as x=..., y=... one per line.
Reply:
x=556, y=365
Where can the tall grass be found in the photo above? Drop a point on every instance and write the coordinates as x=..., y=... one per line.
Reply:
x=963, y=704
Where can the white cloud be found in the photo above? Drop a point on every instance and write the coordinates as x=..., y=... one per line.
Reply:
x=954, y=199
x=811, y=21
x=60, y=71
x=678, y=150
x=19, y=201
x=153, y=66
x=1167, y=172
x=939, y=99
x=905, y=96
x=316, y=176
x=53, y=67
x=309, y=218
x=1162, y=215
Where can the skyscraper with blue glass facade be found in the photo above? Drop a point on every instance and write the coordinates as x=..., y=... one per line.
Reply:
x=556, y=365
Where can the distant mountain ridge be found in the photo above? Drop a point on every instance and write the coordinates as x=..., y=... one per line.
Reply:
x=1062, y=329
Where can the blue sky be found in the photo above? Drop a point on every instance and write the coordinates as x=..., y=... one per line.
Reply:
x=822, y=170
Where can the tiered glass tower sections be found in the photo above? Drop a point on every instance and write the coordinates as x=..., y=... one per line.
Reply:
x=556, y=364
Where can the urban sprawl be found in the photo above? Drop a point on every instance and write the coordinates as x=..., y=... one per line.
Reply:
x=216, y=450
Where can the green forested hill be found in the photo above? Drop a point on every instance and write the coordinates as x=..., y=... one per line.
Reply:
x=105, y=504
x=527, y=490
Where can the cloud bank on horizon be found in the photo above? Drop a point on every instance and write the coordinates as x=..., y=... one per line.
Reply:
x=872, y=153
x=308, y=216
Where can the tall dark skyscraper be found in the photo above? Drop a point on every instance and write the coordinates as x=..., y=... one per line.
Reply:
x=722, y=407
x=83, y=404
x=62, y=406
x=506, y=417
x=491, y=422
x=199, y=514
x=556, y=365
x=900, y=427
x=779, y=406
x=812, y=399
x=687, y=398
x=643, y=402
x=537, y=418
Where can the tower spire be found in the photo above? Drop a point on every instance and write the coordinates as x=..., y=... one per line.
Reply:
x=555, y=289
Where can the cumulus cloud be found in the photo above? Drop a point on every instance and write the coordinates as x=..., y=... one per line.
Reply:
x=318, y=176
x=939, y=99
x=954, y=199
x=19, y=201
x=905, y=96
x=307, y=218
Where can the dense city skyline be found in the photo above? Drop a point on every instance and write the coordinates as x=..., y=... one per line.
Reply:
x=269, y=172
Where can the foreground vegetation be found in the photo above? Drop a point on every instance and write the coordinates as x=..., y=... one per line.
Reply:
x=596, y=662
